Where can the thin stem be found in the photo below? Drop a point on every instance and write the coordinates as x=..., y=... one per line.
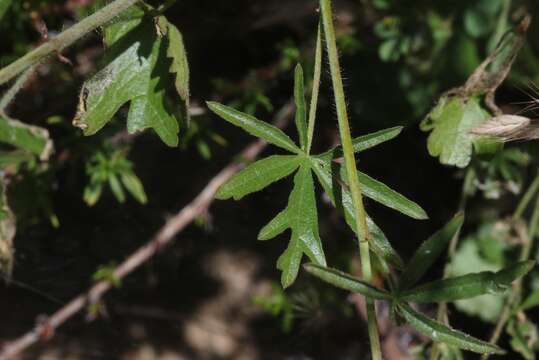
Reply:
x=441, y=314
x=524, y=202
x=515, y=296
x=65, y=39
x=316, y=89
x=350, y=164
x=14, y=89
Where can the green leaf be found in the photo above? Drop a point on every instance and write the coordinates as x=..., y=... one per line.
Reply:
x=363, y=143
x=275, y=227
x=116, y=187
x=506, y=276
x=386, y=196
x=254, y=126
x=450, y=122
x=383, y=194
x=440, y=332
x=467, y=259
x=133, y=184
x=176, y=52
x=342, y=200
x=136, y=71
x=303, y=221
x=299, y=98
x=429, y=251
x=531, y=301
x=467, y=286
x=347, y=282
x=258, y=175
x=34, y=139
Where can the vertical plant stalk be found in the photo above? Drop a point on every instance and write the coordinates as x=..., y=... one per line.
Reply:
x=351, y=170
x=316, y=89
x=65, y=39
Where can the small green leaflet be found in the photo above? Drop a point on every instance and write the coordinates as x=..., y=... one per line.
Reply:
x=344, y=281
x=362, y=143
x=141, y=55
x=450, y=122
x=30, y=138
x=429, y=251
x=467, y=286
x=258, y=175
x=440, y=332
x=254, y=126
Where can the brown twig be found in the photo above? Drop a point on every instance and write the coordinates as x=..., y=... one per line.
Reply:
x=45, y=328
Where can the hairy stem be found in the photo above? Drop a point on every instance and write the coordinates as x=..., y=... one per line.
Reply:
x=65, y=39
x=351, y=170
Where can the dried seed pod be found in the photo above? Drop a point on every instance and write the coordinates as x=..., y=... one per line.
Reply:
x=508, y=128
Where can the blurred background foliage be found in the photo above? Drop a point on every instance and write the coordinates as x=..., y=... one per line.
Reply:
x=98, y=198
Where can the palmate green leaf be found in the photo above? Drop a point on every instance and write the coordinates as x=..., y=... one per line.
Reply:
x=467, y=286
x=382, y=193
x=440, y=332
x=342, y=200
x=347, y=282
x=301, y=114
x=34, y=139
x=137, y=70
x=429, y=251
x=254, y=126
x=258, y=175
x=450, y=122
x=301, y=217
x=364, y=142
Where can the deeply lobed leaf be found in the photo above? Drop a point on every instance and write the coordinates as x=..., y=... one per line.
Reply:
x=429, y=251
x=440, y=332
x=347, y=282
x=303, y=221
x=258, y=175
x=136, y=71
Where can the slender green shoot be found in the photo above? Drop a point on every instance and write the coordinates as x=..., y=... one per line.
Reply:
x=350, y=164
